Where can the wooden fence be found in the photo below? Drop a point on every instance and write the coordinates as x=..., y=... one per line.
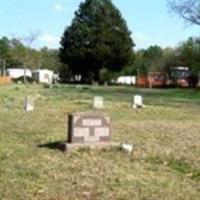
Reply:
x=5, y=80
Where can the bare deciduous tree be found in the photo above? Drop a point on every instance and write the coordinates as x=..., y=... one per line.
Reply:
x=28, y=42
x=189, y=10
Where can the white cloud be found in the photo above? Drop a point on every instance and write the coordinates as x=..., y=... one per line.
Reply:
x=140, y=40
x=140, y=37
x=50, y=41
x=58, y=7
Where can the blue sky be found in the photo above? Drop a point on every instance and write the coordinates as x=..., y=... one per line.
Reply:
x=150, y=21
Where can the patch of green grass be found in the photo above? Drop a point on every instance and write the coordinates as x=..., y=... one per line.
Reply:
x=177, y=165
x=180, y=166
x=196, y=175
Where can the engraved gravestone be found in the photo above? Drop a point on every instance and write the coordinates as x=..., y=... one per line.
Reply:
x=88, y=128
x=98, y=102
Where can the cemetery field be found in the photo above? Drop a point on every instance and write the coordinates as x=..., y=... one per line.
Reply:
x=164, y=165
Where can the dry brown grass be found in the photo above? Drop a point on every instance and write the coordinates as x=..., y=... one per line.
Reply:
x=165, y=163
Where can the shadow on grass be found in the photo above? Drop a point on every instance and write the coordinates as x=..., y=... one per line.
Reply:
x=58, y=145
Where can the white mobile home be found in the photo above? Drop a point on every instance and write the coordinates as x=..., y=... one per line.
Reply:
x=126, y=80
x=15, y=73
x=43, y=76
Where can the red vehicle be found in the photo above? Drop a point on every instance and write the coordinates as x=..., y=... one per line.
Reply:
x=153, y=79
x=180, y=76
x=157, y=79
x=142, y=81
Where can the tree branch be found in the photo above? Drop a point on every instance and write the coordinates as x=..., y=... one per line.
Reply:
x=189, y=10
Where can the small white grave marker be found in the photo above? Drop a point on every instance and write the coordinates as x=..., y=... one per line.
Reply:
x=29, y=104
x=127, y=147
x=98, y=102
x=137, y=102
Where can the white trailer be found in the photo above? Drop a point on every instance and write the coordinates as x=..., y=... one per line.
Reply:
x=43, y=76
x=126, y=80
x=15, y=73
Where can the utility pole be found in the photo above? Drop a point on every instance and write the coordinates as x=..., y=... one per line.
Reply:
x=3, y=70
x=24, y=73
x=4, y=67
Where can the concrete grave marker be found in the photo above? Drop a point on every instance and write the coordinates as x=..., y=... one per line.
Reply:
x=137, y=102
x=127, y=147
x=88, y=128
x=98, y=102
x=29, y=104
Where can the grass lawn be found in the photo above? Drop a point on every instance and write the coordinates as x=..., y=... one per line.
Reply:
x=165, y=163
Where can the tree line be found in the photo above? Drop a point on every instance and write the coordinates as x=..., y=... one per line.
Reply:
x=155, y=58
x=16, y=54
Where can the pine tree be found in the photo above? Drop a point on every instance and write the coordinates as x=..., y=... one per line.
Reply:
x=98, y=38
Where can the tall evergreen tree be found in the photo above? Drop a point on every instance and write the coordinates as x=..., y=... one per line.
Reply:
x=98, y=38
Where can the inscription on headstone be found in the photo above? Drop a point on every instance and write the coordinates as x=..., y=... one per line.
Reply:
x=88, y=128
x=98, y=102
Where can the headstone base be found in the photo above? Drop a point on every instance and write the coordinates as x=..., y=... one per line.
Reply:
x=99, y=145
x=137, y=102
x=138, y=106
